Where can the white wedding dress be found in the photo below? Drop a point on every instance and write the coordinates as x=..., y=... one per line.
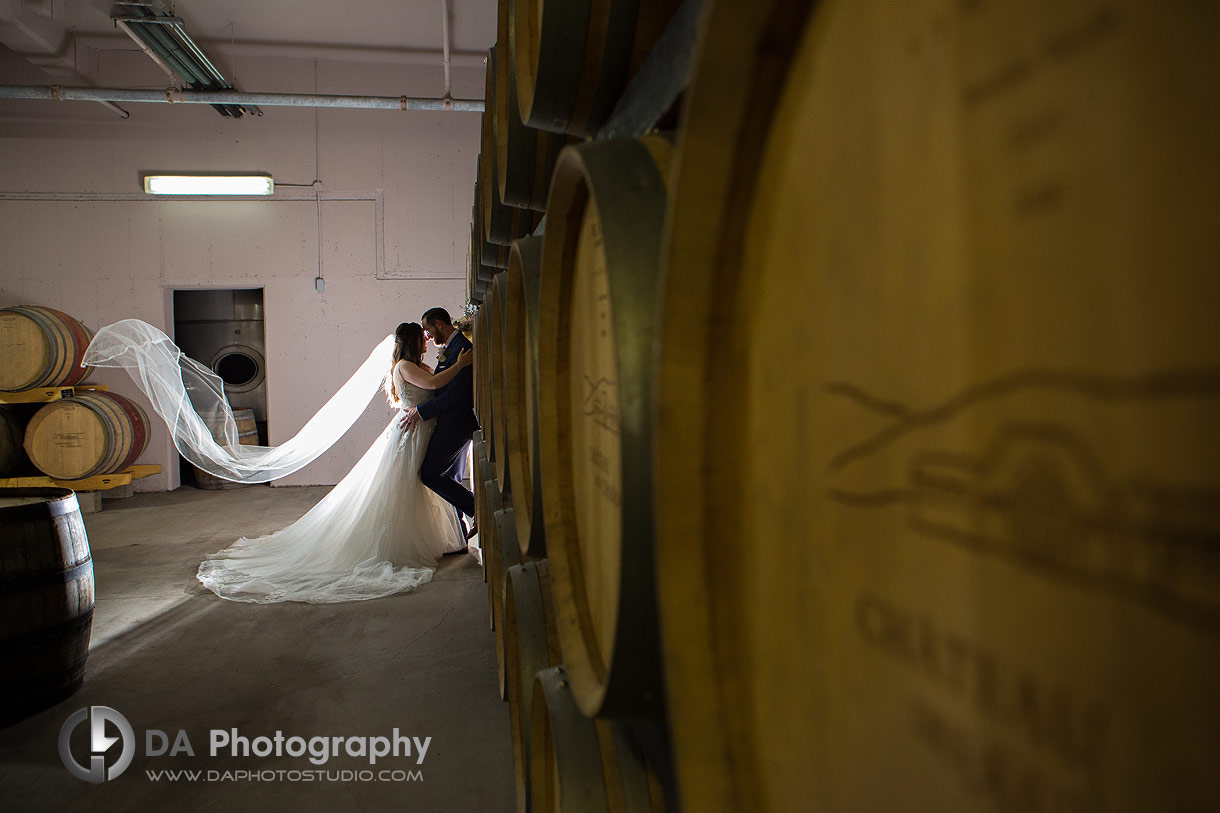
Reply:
x=379, y=531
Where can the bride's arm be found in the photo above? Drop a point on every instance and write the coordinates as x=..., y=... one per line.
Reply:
x=430, y=381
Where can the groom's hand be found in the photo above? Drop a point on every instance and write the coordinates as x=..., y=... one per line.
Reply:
x=409, y=418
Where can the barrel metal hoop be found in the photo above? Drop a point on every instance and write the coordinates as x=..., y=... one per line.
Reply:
x=47, y=576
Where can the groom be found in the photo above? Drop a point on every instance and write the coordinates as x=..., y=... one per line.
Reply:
x=453, y=407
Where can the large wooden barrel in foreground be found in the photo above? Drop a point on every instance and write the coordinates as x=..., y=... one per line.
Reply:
x=521, y=390
x=574, y=57
x=46, y=598
x=247, y=435
x=939, y=521
x=41, y=347
x=90, y=433
x=598, y=294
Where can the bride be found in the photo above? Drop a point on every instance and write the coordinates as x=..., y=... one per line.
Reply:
x=378, y=532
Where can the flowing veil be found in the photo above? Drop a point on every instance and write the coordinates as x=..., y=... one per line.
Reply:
x=182, y=391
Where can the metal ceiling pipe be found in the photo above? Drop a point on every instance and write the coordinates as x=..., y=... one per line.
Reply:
x=62, y=93
x=445, y=45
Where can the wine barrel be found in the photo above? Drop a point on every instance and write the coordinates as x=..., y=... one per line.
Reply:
x=497, y=373
x=597, y=293
x=475, y=287
x=521, y=390
x=940, y=529
x=88, y=434
x=246, y=435
x=491, y=503
x=525, y=156
x=13, y=420
x=501, y=223
x=41, y=347
x=581, y=764
x=46, y=598
x=493, y=257
x=573, y=58
x=531, y=643
x=483, y=372
x=505, y=553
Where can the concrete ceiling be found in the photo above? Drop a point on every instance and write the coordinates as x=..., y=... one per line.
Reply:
x=51, y=34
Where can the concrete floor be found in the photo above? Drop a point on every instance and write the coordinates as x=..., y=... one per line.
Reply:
x=169, y=655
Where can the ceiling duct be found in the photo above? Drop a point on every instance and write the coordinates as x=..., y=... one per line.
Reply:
x=162, y=36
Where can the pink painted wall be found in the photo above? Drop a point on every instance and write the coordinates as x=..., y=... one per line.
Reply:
x=388, y=232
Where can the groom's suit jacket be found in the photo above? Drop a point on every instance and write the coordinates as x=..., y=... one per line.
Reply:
x=453, y=404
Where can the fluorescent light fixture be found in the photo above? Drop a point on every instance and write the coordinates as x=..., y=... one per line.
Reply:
x=208, y=184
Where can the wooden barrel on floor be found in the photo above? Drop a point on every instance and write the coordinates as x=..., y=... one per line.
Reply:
x=521, y=390
x=87, y=434
x=525, y=156
x=41, y=347
x=13, y=420
x=46, y=598
x=246, y=435
x=531, y=643
x=577, y=763
x=573, y=59
x=942, y=533
x=599, y=282
x=497, y=371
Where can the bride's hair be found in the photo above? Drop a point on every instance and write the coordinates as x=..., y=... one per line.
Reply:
x=408, y=344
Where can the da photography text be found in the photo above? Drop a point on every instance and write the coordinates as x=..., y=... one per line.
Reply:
x=105, y=761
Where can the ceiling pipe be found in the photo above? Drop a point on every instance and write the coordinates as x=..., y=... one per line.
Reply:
x=445, y=46
x=213, y=97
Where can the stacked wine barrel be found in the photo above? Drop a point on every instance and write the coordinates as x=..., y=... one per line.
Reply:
x=91, y=433
x=858, y=444
x=572, y=751
x=41, y=347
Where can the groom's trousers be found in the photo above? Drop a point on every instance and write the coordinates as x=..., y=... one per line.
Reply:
x=442, y=471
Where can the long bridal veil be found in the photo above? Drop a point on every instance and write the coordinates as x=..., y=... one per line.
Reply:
x=182, y=391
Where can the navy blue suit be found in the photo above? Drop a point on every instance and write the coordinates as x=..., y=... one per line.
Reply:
x=444, y=464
